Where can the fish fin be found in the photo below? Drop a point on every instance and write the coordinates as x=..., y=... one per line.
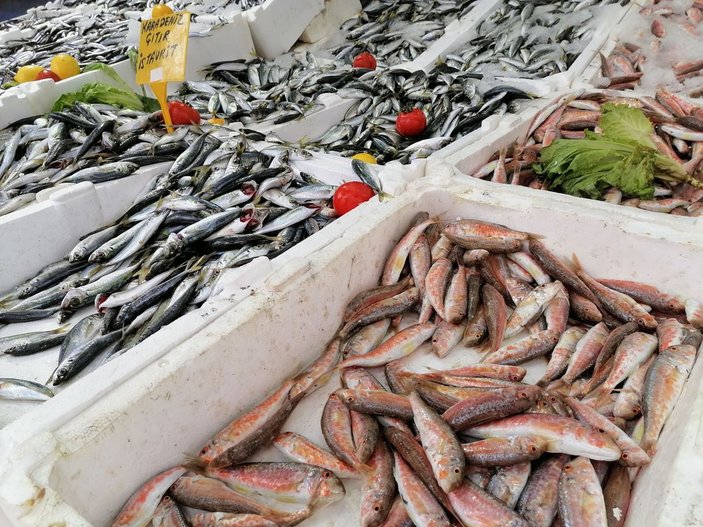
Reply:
x=197, y=265
x=194, y=464
x=63, y=329
x=560, y=385
x=578, y=268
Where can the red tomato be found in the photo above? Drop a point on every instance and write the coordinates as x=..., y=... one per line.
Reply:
x=365, y=60
x=48, y=74
x=411, y=124
x=182, y=113
x=350, y=195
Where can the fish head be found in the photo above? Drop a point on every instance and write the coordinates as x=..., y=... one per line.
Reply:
x=60, y=375
x=73, y=299
x=596, y=444
x=98, y=256
x=77, y=255
x=532, y=446
x=330, y=488
x=26, y=290
x=210, y=451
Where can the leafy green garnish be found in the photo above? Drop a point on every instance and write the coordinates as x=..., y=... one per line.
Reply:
x=120, y=95
x=622, y=156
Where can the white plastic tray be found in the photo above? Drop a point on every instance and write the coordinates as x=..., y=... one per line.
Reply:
x=465, y=30
x=468, y=154
x=46, y=231
x=58, y=464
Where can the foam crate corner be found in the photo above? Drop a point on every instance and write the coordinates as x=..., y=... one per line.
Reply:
x=278, y=24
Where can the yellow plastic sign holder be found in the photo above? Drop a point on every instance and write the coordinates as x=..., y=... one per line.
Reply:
x=163, y=48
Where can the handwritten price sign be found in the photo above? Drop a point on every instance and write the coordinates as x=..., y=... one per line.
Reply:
x=163, y=46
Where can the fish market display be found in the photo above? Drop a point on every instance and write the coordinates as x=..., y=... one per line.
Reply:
x=221, y=204
x=472, y=444
x=521, y=38
x=95, y=143
x=397, y=31
x=267, y=91
x=452, y=105
x=658, y=48
x=91, y=31
x=261, y=90
x=646, y=152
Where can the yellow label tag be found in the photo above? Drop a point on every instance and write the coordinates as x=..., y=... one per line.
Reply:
x=163, y=45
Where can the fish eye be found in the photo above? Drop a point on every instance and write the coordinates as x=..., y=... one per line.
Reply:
x=533, y=448
x=523, y=395
x=376, y=508
x=624, y=455
x=457, y=471
x=326, y=474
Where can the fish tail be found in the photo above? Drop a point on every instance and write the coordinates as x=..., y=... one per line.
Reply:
x=194, y=464
x=531, y=236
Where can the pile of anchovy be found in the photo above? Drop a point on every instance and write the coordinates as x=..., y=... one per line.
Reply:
x=95, y=143
x=473, y=443
x=89, y=31
x=678, y=132
x=260, y=92
x=452, y=102
x=529, y=39
x=221, y=204
x=275, y=91
x=397, y=31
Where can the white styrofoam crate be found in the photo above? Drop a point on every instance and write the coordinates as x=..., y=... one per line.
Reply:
x=37, y=98
x=468, y=155
x=44, y=233
x=456, y=32
x=55, y=464
x=231, y=41
x=328, y=22
x=466, y=30
x=591, y=75
x=278, y=24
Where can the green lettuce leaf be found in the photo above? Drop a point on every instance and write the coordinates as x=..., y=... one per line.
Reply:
x=100, y=93
x=627, y=125
x=120, y=94
x=622, y=156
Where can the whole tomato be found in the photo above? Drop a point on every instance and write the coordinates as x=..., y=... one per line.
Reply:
x=182, y=113
x=350, y=195
x=412, y=123
x=48, y=74
x=365, y=60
